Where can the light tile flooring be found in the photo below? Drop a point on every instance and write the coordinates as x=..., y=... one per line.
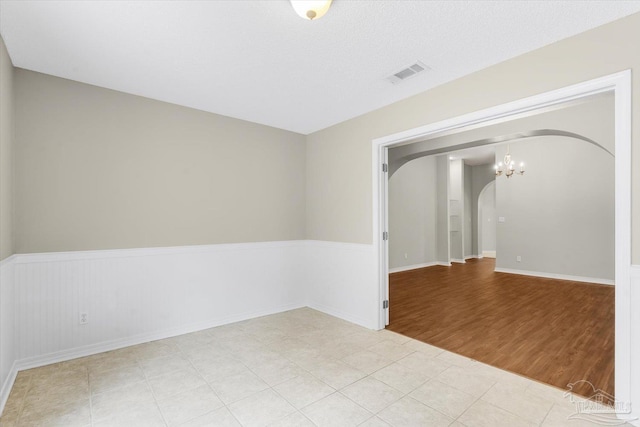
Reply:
x=298, y=368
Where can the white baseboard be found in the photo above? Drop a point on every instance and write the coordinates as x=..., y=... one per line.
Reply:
x=431, y=264
x=7, y=384
x=7, y=328
x=556, y=276
x=92, y=349
x=412, y=267
x=489, y=254
x=74, y=353
x=349, y=317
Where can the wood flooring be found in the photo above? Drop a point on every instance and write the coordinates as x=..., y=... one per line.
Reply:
x=553, y=331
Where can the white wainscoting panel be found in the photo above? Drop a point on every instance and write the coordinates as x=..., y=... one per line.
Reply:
x=635, y=344
x=340, y=281
x=7, y=344
x=133, y=296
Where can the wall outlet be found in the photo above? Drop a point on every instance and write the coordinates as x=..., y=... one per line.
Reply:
x=518, y=258
x=84, y=318
x=406, y=256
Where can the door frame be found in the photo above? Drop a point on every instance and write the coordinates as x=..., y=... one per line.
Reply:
x=480, y=219
x=620, y=85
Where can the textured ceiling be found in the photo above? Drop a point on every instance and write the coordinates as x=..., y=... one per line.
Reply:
x=258, y=61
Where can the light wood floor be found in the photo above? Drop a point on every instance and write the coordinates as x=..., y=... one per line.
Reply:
x=554, y=331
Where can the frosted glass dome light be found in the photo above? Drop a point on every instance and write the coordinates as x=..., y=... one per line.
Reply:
x=311, y=9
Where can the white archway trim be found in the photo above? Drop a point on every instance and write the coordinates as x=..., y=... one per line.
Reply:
x=480, y=219
x=620, y=84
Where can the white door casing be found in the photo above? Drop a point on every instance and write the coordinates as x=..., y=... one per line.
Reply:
x=620, y=85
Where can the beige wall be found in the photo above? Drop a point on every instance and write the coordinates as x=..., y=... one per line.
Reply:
x=6, y=153
x=105, y=169
x=339, y=196
x=559, y=217
x=412, y=213
x=99, y=169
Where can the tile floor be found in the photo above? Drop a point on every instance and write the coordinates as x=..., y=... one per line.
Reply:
x=298, y=368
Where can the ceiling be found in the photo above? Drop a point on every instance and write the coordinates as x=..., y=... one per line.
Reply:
x=258, y=61
x=476, y=156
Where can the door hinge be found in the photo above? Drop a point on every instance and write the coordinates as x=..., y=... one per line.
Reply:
x=385, y=235
x=385, y=303
x=385, y=167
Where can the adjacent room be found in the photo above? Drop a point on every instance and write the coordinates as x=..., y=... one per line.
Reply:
x=512, y=262
x=319, y=213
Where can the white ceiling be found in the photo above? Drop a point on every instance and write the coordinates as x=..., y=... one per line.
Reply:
x=258, y=61
x=476, y=156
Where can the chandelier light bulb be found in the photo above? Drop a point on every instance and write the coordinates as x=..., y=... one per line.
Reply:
x=311, y=9
x=509, y=165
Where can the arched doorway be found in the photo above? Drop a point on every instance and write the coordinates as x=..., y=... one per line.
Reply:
x=487, y=221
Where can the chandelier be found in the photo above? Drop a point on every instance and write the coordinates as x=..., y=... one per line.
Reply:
x=508, y=166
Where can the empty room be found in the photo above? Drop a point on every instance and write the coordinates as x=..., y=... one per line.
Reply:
x=517, y=271
x=319, y=213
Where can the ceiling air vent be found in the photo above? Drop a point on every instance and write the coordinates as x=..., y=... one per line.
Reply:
x=408, y=72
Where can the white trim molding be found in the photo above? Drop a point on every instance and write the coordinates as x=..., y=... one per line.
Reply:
x=634, y=300
x=556, y=276
x=627, y=339
x=488, y=254
x=413, y=267
x=7, y=331
x=8, y=261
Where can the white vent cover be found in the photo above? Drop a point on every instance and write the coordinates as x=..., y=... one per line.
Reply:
x=408, y=72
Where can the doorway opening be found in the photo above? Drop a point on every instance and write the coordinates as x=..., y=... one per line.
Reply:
x=486, y=233
x=619, y=85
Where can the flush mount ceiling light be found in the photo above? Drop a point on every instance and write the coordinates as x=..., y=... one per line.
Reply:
x=311, y=9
